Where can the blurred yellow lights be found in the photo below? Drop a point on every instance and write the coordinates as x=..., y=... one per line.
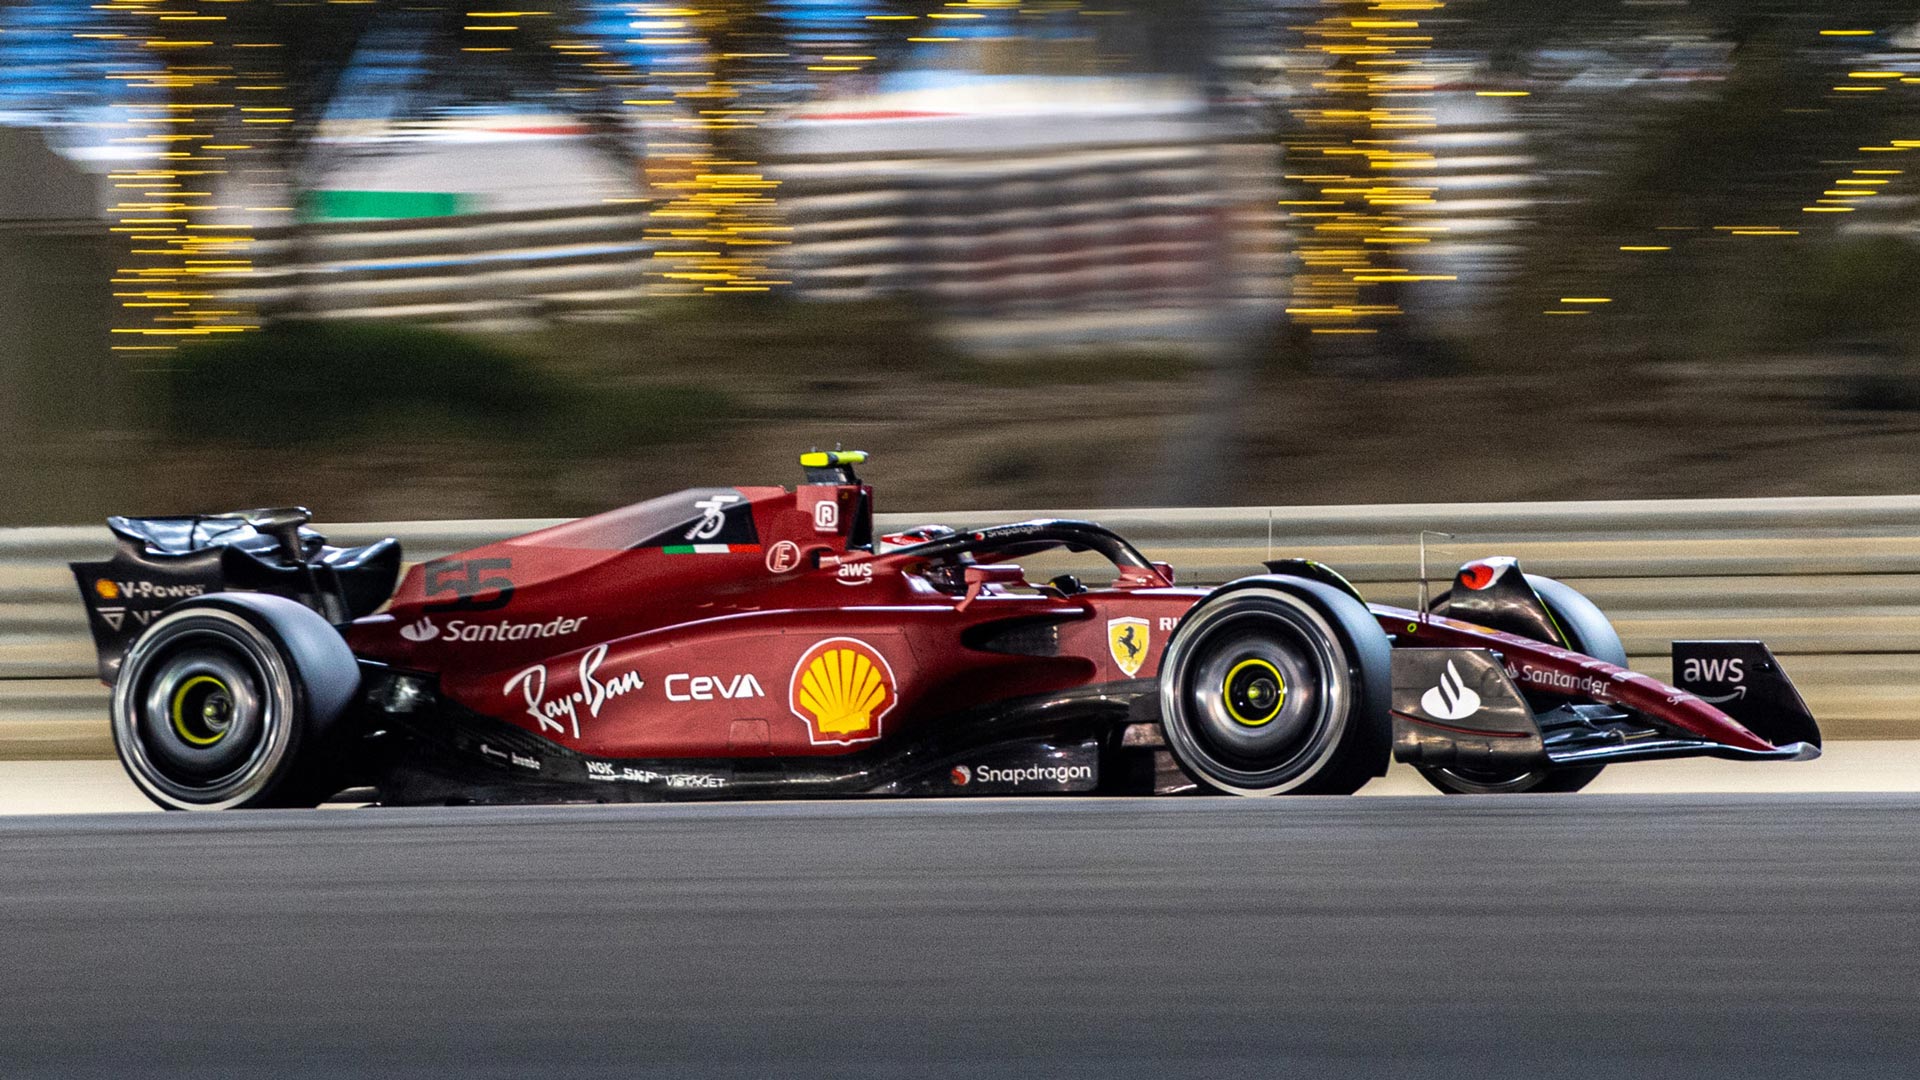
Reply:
x=1846, y=33
x=1360, y=171
x=1645, y=247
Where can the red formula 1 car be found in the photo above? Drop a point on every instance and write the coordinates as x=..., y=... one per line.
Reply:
x=760, y=642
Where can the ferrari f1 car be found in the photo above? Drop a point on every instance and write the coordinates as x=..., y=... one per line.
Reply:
x=763, y=642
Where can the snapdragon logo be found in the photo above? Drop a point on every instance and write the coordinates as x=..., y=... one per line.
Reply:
x=1028, y=774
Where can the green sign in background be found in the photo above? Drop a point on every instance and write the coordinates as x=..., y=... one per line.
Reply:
x=342, y=205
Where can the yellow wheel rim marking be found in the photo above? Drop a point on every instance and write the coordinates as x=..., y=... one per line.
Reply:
x=180, y=720
x=1279, y=701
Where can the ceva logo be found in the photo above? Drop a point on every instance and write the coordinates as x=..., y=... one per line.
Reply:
x=1451, y=700
x=424, y=630
x=685, y=687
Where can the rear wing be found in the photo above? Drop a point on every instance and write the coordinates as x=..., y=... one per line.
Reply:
x=159, y=562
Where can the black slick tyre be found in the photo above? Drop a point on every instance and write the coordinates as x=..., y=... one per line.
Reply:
x=231, y=701
x=1278, y=686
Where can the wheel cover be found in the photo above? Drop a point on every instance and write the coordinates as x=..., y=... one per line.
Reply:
x=202, y=710
x=1255, y=695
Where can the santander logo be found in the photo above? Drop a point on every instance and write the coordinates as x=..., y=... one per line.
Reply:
x=1451, y=700
x=424, y=630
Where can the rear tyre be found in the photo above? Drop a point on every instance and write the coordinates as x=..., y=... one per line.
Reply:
x=1279, y=686
x=231, y=701
x=1588, y=631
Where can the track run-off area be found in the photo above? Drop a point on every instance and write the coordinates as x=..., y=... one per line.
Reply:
x=1696, y=935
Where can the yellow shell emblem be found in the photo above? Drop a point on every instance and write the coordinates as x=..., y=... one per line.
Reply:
x=841, y=688
x=107, y=589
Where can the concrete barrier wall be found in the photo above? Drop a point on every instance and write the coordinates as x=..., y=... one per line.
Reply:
x=1833, y=584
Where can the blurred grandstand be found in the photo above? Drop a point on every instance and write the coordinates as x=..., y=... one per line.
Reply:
x=1336, y=188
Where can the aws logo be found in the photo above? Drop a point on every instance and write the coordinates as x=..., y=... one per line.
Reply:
x=842, y=687
x=1716, y=669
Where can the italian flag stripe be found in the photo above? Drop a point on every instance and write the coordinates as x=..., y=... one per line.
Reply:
x=709, y=549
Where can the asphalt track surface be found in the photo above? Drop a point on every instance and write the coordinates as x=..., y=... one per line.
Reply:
x=1508, y=936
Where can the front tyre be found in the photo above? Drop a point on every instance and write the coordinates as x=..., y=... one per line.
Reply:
x=230, y=702
x=1278, y=686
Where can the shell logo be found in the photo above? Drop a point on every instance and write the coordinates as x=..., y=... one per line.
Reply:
x=107, y=589
x=842, y=687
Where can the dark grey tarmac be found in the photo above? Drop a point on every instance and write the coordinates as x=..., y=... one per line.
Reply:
x=1509, y=936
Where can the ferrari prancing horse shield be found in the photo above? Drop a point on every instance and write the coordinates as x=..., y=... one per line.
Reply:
x=1128, y=639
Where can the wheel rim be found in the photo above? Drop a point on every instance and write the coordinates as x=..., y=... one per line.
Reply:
x=1263, y=695
x=201, y=710
x=1255, y=690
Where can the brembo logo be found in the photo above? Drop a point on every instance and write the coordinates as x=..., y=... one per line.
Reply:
x=1451, y=700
